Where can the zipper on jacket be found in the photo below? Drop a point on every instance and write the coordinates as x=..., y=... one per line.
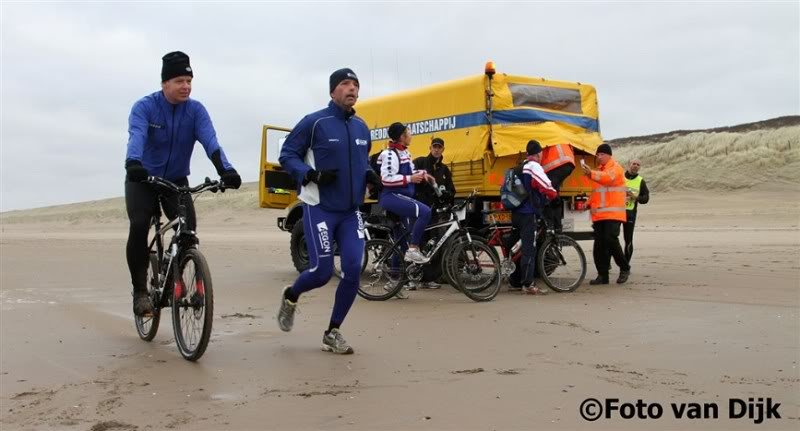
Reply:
x=171, y=140
x=349, y=160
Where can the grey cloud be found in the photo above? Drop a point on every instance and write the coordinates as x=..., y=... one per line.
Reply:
x=67, y=92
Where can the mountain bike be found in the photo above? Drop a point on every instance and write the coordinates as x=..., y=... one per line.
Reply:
x=560, y=261
x=178, y=275
x=476, y=272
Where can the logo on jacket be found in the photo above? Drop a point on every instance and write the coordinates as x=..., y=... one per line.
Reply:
x=361, y=142
x=324, y=238
x=156, y=126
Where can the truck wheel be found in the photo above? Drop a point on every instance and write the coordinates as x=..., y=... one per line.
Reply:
x=297, y=246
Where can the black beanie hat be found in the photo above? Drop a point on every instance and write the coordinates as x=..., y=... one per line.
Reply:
x=604, y=148
x=534, y=147
x=175, y=64
x=437, y=141
x=396, y=130
x=340, y=75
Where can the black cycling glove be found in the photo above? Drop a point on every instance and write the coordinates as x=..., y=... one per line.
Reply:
x=136, y=172
x=231, y=179
x=325, y=176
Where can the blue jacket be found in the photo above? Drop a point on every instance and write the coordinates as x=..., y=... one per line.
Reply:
x=329, y=139
x=162, y=135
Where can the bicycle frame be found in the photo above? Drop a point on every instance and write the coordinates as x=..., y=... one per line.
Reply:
x=453, y=224
x=178, y=224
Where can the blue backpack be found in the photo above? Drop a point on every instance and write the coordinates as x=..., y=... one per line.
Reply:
x=513, y=192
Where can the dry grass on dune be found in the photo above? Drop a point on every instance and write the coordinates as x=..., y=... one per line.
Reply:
x=719, y=161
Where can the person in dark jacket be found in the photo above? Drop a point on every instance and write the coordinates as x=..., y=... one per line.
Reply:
x=327, y=154
x=637, y=194
x=162, y=130
x=433, y=164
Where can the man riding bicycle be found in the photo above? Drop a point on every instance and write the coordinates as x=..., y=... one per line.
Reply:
x=399, y=178
x=163, y=128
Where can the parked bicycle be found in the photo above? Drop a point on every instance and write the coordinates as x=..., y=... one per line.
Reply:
x=560, y=261
x=178, y=276
x=471, y=265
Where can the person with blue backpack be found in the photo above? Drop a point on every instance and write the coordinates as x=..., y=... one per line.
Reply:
x=526, y=204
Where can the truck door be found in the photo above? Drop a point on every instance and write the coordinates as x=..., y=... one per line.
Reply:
x=276, y=187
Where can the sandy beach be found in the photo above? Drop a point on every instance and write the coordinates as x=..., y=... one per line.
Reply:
x=711, y=313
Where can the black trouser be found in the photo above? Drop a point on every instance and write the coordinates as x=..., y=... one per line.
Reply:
x=606, y=245
x=525, y=226
x=554, y=211
x=627, y=232
x=141, y=201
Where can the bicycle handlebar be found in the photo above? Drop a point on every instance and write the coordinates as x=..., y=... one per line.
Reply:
x=209, y=185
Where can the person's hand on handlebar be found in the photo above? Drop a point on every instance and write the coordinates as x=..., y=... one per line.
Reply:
x=231, y=179
x=136, y=172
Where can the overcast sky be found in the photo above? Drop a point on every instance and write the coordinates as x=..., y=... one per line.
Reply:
x=71, y=72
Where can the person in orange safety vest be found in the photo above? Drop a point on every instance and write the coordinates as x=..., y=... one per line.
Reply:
x=558, y=161
x=607, y=205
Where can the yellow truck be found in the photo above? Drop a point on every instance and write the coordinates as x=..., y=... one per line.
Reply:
x=486, y=121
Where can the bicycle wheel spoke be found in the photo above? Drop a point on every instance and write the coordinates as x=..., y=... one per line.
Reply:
x=562, y=263
x=192, y=310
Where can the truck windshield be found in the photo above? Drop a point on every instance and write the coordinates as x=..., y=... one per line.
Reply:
x=542, y=97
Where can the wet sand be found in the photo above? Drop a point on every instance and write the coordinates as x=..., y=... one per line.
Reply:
x=711, y=312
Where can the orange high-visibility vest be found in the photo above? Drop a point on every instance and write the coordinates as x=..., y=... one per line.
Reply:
x=557, y=155
x=608, y=192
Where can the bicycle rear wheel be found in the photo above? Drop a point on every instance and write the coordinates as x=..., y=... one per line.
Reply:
x=562, y=263
x=147, y=327
x=382, y=269
x=192, y=305
x=476, y=270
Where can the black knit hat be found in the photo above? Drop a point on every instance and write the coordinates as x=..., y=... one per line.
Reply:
x=534, y=147
x=340, y=75
x=175, y=64
x=396, y=130
x=604, y=148
x=437, y=141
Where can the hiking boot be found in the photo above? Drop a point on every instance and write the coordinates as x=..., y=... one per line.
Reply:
x=599, y=280
x=431, y=285
x=623, y=276
x=286, y=312
x=334, y=342
x=415, y=256
x=142, y=305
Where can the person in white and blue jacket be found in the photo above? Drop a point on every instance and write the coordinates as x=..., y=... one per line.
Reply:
x=399, y=178
x=523, y=218
x=163, y=128
x=327, y=155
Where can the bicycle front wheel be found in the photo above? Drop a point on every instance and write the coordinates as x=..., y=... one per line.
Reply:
x=562, y=263
x=476, y=270
x=148, y=326
x=192, y=305
x=382, y=269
